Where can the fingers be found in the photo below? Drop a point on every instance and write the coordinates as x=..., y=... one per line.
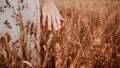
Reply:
x=44, y=18
x=54, y=23
x=49, y=23
x=58, y=22
x=52, y=16
x=52, y=19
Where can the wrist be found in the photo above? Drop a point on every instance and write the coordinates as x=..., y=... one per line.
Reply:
x=45, y=1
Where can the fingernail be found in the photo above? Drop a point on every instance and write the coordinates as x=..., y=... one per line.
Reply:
x=59, y=27
x=56, y=28
x=49, y=29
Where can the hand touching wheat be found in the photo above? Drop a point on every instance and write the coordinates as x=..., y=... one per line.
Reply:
x=52, y=15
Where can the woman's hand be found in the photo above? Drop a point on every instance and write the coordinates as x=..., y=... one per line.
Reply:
x=52, y=15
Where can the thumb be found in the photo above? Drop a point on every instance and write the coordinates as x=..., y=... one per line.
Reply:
x=61, y=18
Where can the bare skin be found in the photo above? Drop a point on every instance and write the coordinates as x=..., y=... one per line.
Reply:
x=51, y=13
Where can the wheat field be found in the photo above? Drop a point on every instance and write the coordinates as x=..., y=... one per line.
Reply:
x=89, y=38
